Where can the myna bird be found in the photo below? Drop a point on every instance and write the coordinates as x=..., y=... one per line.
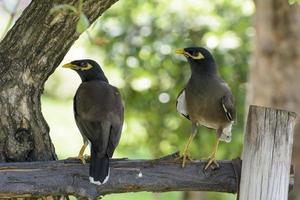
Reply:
x=99, y=112
x=206, y=99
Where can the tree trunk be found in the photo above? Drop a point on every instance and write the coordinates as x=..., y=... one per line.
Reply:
x=274, y=75
x=29, y=54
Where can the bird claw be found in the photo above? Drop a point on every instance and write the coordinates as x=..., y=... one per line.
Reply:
x=212, y=163
x=82, y=158
x=186, y=156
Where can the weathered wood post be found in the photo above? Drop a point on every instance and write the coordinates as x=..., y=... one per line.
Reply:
x=267, y=154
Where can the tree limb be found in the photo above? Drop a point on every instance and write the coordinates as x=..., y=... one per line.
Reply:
x=70, y=177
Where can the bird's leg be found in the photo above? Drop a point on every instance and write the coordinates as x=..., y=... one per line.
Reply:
x=80, y=155
x=186, y=149
x=212, y=157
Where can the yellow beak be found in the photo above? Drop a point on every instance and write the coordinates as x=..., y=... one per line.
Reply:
x=183, y=52
x=180, y=51
x=69, y=65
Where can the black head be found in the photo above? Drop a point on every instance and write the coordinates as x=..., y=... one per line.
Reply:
x=87, y=69
x=199, y=58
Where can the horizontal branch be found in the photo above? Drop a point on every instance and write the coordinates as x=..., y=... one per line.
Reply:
x=70, y=177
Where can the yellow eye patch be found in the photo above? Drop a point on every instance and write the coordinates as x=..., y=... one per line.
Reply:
x=197, y=57
x=86, y=67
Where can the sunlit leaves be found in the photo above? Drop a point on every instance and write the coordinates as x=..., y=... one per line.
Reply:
x=82, y=23
x=294, y=1
x=144, y=35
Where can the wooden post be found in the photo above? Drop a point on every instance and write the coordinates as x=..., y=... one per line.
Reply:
x=267, y=154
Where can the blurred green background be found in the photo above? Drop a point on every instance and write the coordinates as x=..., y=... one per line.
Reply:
x=134, y=42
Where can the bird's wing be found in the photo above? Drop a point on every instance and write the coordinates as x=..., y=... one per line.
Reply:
x=116, y=128
x=85, y=139
x=114, y=138
x=228, y=106
x=181, y=104
x=97, y=132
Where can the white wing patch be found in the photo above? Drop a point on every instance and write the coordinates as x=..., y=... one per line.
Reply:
x=181, y=104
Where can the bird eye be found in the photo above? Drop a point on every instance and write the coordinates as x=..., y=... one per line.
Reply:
x=195, y=53
x=82, y=64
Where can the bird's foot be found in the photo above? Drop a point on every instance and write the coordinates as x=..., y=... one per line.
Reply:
x=212, y=163
x=185, y=156
x=82, y=158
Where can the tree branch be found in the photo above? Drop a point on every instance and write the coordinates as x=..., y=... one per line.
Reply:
x=70, y=177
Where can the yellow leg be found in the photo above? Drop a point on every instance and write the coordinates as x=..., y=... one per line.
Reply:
x=212, y=157
x=186, y=149
x=80, y=155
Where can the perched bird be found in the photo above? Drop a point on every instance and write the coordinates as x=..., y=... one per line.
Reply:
x=99, y=115
x=206, y=99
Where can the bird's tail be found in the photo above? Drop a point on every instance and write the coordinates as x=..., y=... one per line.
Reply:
x=99, y=168
x=226, y=134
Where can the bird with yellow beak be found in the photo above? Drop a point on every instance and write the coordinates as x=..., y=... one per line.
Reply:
x=206, y=99
x=99, y=115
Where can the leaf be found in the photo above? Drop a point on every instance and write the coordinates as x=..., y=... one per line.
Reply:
x=82, y=24
x=291, y=2
x=63, y=8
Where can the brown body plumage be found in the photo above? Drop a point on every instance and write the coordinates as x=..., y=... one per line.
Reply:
x=206, y=100
x=98, y=112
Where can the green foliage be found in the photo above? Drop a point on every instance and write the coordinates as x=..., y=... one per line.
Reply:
x=291, y=2
x=143, y=36
x=139, y=58
x=83, y=22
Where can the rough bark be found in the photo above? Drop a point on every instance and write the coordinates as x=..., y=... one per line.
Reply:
x=274, y=74
x=29, y=54
x=34, y=179
x=267, y=154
